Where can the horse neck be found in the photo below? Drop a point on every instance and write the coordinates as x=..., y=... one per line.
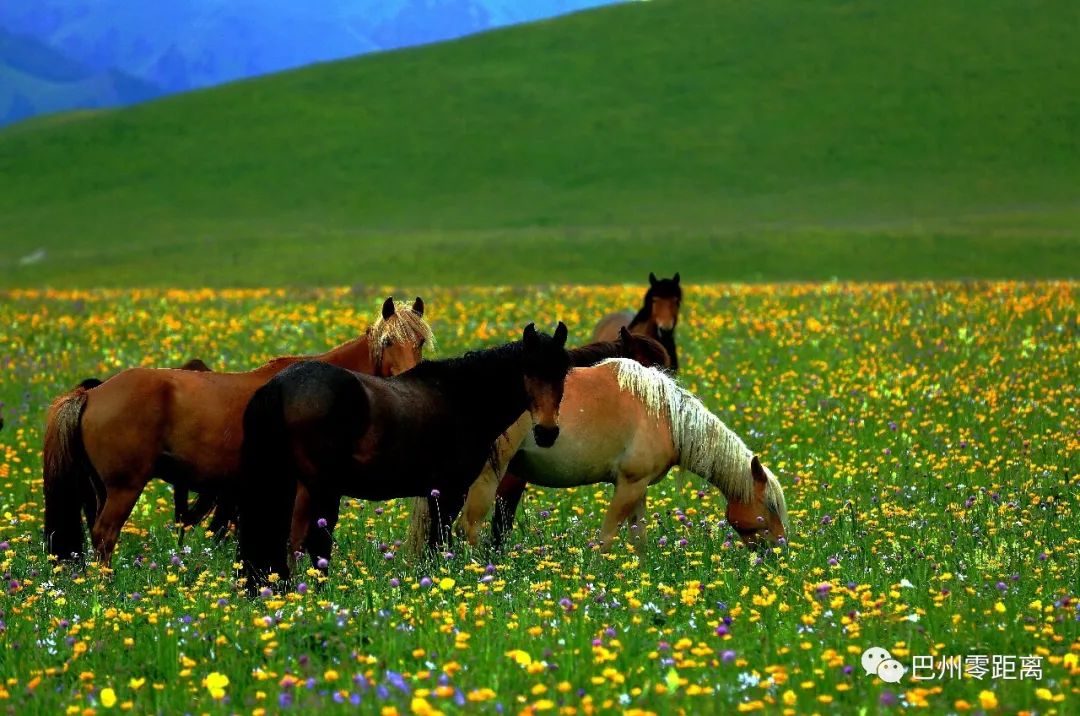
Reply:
x=353, y=355
x=668, y=342
x=484, y=389
x=643, y=319
x=711, y=449
x=593, y=353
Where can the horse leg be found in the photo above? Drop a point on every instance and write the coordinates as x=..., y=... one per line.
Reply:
x=225, y=513
x=180, y=504
x=637, y=525
x=511, y=490
x=477, y=503
x=301, y=520
x=264, y=515
x=197, y=512
x=319, y=540
x=119, y=502
x=627, y=494
x=444, y=510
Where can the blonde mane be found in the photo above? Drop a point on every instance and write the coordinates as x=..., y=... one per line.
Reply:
x=705, y=445
x=404, y=326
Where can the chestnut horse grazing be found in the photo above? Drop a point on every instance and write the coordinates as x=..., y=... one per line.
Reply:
x=627, y=424
x=657, y=317
x=104, y=444
x=642, y=349
x=342, y=433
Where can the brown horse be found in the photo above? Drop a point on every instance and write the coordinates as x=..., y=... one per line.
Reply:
x=639, y=348
x=629, y=425
x=103, y=445
x=183, y=514
x=426, y=432
x=657, y=317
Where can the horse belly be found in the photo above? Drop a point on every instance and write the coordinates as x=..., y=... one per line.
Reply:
x=568, y=463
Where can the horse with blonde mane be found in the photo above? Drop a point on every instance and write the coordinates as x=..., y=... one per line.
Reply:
x=444, y=508
x=103, y=444
x=626, y=424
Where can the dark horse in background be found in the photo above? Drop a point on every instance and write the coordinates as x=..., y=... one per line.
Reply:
x=657, y=317
x=440, y=518
x=426, y=432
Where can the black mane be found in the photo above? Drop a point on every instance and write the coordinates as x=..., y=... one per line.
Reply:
x=489, y=365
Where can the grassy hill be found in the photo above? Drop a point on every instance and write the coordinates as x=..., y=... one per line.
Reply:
x=728, y=139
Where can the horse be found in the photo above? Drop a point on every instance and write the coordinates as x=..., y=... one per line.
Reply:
x=639, y=348
x=104, y=444
x=627, y=424
x=184, y=515
x=427, y=432
x=656, y=318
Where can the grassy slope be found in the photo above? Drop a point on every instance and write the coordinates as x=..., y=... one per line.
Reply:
x=729, y=139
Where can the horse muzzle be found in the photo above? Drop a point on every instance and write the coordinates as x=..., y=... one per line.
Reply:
x=545, y=436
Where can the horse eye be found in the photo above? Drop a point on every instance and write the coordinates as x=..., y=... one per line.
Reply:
x=387, y=343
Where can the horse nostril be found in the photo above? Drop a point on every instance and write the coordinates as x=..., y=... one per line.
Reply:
x=545, y=436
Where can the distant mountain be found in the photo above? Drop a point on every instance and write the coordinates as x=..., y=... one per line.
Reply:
x=35, y=79
x=186, y=44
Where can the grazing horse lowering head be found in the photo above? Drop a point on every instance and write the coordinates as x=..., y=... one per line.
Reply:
x=546, y=364
x=398, y=338
x=662, y=300
x=760, y=521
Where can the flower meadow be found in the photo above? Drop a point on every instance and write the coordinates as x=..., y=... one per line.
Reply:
x=927, y=436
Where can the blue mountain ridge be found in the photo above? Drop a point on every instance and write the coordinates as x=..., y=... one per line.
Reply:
x=187, y=44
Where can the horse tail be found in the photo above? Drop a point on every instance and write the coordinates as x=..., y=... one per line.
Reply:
x=416, y=543
x=68, y=476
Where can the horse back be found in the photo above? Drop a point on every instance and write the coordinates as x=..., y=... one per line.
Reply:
x=607, y=329
x=184, y=422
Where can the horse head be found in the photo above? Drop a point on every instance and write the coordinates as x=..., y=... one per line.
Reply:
x=761, y=521
x=663, y=300
x=546, y=364
x=399, y=336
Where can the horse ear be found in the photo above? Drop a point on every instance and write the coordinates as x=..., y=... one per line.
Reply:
x=418, y=306
x=624, y=336
x=676, y=278
x=758, y=471
x=560, y=334
x=388, y=308
x=529, y=335
x=652, y=279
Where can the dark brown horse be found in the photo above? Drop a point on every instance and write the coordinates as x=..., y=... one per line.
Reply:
x=657, y=317
x=427, y=432
x=430, y=527
x=103, y=445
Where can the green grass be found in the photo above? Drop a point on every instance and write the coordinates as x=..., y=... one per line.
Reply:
x=925, y=436
x=737, y=139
